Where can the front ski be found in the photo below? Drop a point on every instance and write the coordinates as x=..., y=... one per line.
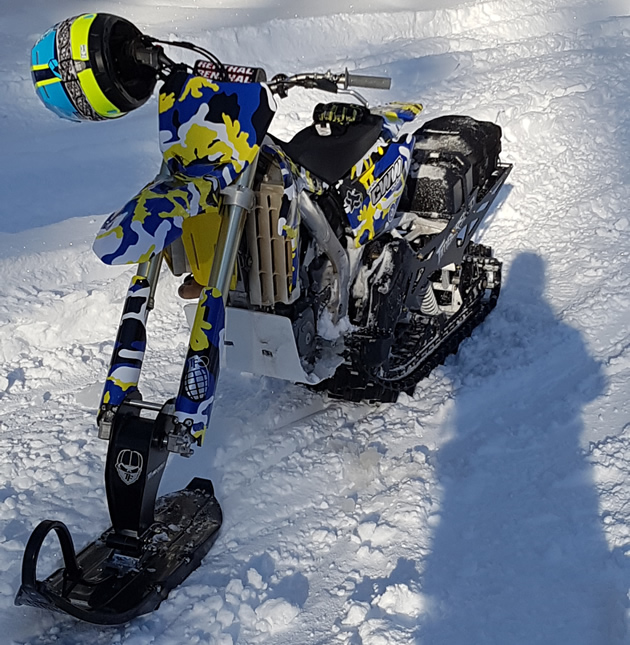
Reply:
x=101, y=586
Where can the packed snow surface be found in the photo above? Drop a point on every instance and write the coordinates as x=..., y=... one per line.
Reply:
x=493, y=506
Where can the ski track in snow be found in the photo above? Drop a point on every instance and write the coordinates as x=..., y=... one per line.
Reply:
x=490, y=507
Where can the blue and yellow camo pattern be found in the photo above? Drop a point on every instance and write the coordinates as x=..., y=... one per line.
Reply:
x=153, y=218
x=212, y=129
x=209, y=133
x=397, y=115
x=372, y=192
x=124, y=371
x=376, y=182
x=193, y=405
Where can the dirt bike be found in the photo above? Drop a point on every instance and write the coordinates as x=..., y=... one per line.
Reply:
x=342, y=259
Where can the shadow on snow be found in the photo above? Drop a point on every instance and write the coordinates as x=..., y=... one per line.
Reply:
x=519, y=555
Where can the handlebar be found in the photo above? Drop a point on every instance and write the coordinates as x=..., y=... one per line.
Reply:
x=329, y=82
x=148, y=52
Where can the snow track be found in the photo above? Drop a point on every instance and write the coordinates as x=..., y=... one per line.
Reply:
x=491, y=507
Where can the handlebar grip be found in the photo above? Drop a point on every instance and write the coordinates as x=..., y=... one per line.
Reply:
x=370, y=82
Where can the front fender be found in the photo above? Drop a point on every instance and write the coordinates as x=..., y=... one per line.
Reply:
x=209, y=134
x=153, y=219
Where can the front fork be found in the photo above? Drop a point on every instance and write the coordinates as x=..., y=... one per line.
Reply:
x=193, y=404
x=139, y=446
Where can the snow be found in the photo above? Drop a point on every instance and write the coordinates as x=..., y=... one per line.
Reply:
x=492, y=506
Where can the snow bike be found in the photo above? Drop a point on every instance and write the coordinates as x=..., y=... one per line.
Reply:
x=342, y=259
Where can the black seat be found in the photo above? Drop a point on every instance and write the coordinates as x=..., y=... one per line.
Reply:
x=331, y=157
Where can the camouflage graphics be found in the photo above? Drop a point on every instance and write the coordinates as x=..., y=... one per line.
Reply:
x=153, y=219
x=396, y=117
x=210, y=129
x=124, y=371
x=196, y=390
x=372, y=191
x=374, y=188
x=209, y=133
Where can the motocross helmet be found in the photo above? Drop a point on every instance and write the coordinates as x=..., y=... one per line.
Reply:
x=84, y=69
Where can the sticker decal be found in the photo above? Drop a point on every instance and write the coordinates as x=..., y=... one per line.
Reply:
x=196, y=389
x=236, y=73
x=197, y=378
x=353, y=200
x=446, y=243
x=53, y=65
x=389, y=178
x=380, y=177
x=130, y=345
x=129, y=465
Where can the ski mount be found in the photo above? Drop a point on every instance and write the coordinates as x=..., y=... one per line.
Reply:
x=151, y=547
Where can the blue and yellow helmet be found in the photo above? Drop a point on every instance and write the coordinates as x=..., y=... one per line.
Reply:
x=83, y=68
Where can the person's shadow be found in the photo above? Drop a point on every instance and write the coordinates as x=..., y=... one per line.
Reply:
x=519, y=556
